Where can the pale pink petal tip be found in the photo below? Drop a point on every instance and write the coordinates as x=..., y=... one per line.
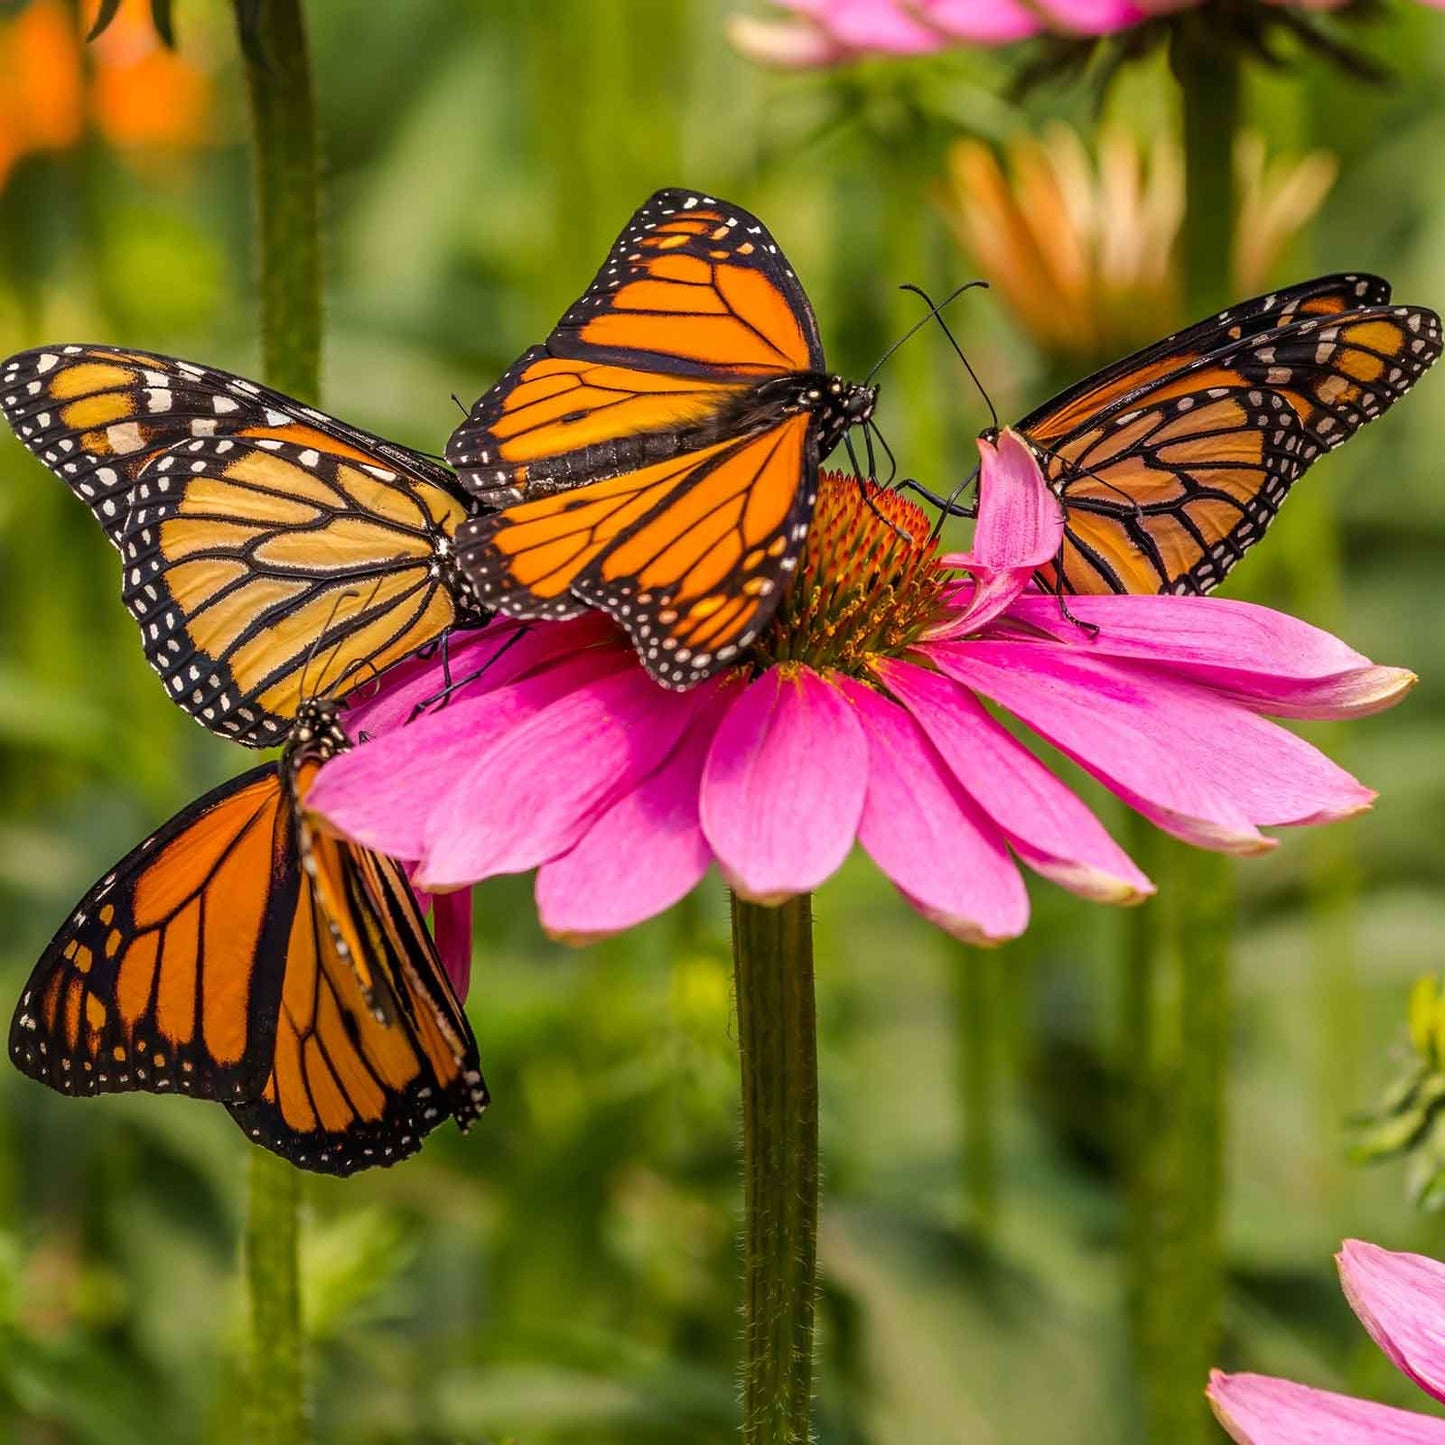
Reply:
x=783, y=787
x=786, y=44
x=1261, y=1410
x=1400, y=1299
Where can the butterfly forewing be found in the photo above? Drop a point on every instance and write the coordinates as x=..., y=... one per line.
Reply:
x=1115, y=384
x=153, y=982
x=229, y=958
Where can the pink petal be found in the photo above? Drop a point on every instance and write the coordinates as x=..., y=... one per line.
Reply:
x=1198, y=765
x=383, y=793
x=981, y=22
x=641, y=855
x=476, y=661
x=452, y=928
x=784, y=785
x=877, y=25
x=927, y=835
x=1048, y=825
x=536, y=789
x=1260, y=1410
x=1267, y=660
x=1020, y=528
x=1400, y=1299
x=1094, y=17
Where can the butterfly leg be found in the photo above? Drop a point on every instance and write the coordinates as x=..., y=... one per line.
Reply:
x=1091, y=628
x=864, y=493
x=452, y=685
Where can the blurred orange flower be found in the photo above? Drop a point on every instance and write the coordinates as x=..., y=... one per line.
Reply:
x=128, y=86
x=1083, y=242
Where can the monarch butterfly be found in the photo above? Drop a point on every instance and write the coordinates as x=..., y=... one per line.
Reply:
x=1172, y=463
x=258, y=536
x=240, y=955
x=658, y=457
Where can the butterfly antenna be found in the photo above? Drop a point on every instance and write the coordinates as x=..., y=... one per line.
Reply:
x=361, y=611
x=918, y=326
x=934, y=315
x=460, y=405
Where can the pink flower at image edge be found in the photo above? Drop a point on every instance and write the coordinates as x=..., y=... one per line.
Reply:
x=565, y=757
x=1400, y=1299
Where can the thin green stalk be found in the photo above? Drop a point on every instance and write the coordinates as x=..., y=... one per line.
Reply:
x=1179, y=954
x=777, y=1044
x=288, y=209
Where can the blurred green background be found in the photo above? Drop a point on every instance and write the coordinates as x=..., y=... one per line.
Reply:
x=567, y=1272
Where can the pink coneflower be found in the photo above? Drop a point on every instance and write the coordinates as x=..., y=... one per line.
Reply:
x=861, y=718
x=833, y=32
x=1400, y=1299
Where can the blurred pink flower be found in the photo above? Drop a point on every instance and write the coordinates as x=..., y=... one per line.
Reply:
x=1400, y=1299
x=829, y=32
x=861, y=718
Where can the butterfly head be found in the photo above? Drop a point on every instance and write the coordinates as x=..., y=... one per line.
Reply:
x=840, y=405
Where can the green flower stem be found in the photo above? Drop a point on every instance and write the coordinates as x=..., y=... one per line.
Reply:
x=1176, y=993
x=777, y=1042
x=288, y=197
x=276, y=1383
x=288, y=206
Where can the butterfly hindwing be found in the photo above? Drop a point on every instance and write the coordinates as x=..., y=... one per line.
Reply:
x=691, y=555
x=262, y=571
x=1170, y=498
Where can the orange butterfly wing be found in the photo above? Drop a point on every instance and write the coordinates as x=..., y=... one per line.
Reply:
x=689, y=555
x=1169, y=485
x=1132, y=375
x=207, y=963
x=693, y=307
x=266, y=545
x=152, y=983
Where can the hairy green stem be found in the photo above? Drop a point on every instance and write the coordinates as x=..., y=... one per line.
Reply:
x=1176, y=993
x=777, y=1043
x=288, y=225
x=288, y=197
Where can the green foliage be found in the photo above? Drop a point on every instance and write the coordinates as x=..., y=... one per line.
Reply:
x=567, y=1273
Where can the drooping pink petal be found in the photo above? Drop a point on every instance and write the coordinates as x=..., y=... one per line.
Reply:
x=1265, y=659
x=1260, y=1410
x=783, y=788
x=383, y=792
x=643, y=853
x=928, y=836
x=452, y=929
x=1048, y=825
x=543, y=781
x=1400, y=1299
x=476, y=662
x=1020, y=528
x=1199, y=766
